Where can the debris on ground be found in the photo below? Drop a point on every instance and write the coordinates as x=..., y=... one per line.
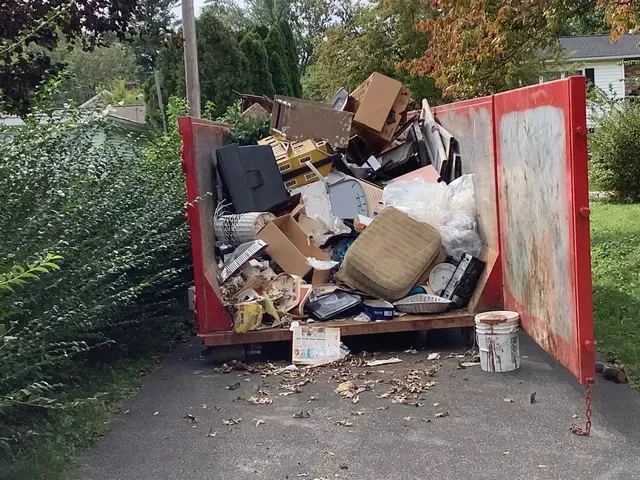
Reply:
x=259, y=422
x=191, y=418
x=211, y=432
x=260, y=400
x=233, y=387
x=232, y=421
x=389, y=361
x=344, y=423
x=302, y=414
x=441, y=415
x=532, y=399
x=507, y=400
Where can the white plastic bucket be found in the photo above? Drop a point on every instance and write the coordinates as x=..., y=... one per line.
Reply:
x=498, y=341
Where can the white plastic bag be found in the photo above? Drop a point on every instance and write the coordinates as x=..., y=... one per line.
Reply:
x=450, y=209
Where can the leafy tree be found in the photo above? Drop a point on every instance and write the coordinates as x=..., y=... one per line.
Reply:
x=220, y=62
x=31, y=28
x=153, y=27
x=279, y=67
x=234, y=17
x=478, y=48
x=88, y=70
x=279, y=75
x=118, y=92
x=291, y=54
x=378, y=37
x=258, y=74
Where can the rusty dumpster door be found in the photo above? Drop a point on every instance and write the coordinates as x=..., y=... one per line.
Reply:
x=541, y=158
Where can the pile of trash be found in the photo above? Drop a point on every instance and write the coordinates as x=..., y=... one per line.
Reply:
x=356, y=208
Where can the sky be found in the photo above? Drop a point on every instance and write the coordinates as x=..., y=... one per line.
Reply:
x=197, y=5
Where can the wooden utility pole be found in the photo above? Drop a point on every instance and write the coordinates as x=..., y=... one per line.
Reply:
x=191, y=58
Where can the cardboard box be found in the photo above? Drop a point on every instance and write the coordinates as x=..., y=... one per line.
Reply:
x=292, y=157
x=380, y=104
x=289, y=247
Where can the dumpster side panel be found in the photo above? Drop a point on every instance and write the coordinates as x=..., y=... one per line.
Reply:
x=542, y=188
x=471, y=123
x=200, y=139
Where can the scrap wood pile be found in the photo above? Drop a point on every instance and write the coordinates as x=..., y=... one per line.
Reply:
x=354, y=208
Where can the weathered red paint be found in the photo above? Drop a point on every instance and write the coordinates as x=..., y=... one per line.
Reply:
x=200, y=138
x=555, y=241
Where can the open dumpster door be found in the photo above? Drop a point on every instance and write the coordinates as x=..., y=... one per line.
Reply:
x=541, y=159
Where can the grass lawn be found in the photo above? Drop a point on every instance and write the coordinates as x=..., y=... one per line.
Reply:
x=615, y=256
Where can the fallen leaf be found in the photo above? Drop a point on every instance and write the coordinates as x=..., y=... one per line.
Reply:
x=542, y=466
x=259, y=422
x=260, y=400
x=533, y=398
x=433, y=356
x=345, y=389
x=125, y=412
x=344, y=423
x=428, y=420
x=233, y=387
x=344, y=466
x=285, y=394
x=382, y=408
x=506, y=453
x=411, y=351
x=303, y=475
x=191, y=418
x=155, y=413
x=331, y=454
x=436, y=404
x=312, y=398
x=416, y=404
x=358, y=413
x=303, y=414
x=408, y=418
x=211, y=433
x=375, y=363
x=232, y=421
x=441, y=415
x=574, y=416
x=217, y=407
x=507, y=400
x=203, y=405
x=355, y=399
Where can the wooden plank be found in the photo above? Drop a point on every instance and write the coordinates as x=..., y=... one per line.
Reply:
x=455, y=318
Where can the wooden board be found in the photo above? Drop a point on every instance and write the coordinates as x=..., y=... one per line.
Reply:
x=453, y=319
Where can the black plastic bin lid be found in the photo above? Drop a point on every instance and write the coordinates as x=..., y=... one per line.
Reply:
x=251, y=177
x=336, y=304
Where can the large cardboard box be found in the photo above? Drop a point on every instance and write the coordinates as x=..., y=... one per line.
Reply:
x=289, y=247
x=380, y=104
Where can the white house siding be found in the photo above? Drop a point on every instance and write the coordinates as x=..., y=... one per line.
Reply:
x=609, y=75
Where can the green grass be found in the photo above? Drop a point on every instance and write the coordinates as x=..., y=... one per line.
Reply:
x=615, y=253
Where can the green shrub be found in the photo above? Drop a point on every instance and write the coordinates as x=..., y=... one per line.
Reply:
x=114, y=213
x=615, y=150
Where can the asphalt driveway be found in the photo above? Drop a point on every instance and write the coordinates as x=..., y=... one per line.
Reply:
x=413, y=420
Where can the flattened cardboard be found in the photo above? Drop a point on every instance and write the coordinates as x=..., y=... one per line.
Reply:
x=289, y=247
x=428, y=174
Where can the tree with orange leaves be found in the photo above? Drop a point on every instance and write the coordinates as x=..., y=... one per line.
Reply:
x=479, y=47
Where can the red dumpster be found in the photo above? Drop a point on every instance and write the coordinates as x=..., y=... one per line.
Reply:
x=527, y=150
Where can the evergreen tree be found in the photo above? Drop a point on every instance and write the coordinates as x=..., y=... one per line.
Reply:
x=220, y=62
x=292, y=60
x=258, y=74
x=279, y=76
x=275, y=45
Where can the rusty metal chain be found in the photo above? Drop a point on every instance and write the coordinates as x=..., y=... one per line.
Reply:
x=576, y=429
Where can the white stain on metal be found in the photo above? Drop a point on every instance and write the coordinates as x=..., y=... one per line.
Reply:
x=535, y=215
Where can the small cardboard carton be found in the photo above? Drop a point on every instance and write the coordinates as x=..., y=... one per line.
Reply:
x=289, y=247
x=380, y=103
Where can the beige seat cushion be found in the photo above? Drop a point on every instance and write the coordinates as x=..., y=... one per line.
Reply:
x=390, y=256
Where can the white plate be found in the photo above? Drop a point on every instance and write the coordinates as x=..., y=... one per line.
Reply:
x=440, y=276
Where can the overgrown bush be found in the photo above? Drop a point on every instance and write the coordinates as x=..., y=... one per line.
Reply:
x=615, y=149
x=114, y=213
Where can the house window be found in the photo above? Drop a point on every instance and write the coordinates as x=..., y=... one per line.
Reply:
x=590, y=75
